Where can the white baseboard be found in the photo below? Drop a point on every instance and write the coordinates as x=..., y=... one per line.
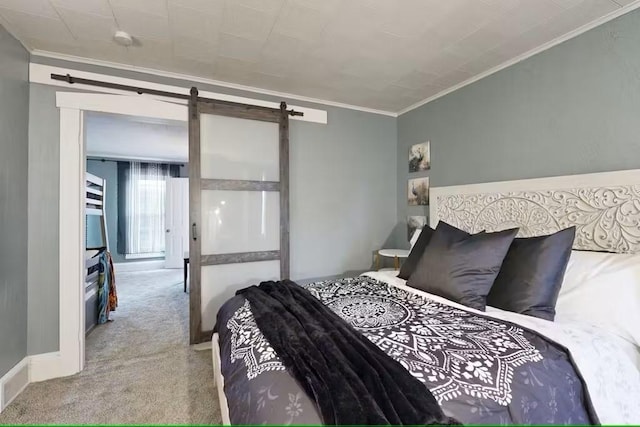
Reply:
x=31, y=369
x=46, y=366
x=125, y=267
x=147, y=256
x=14, y=382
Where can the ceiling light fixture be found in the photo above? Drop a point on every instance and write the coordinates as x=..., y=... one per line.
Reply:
x=123, y=38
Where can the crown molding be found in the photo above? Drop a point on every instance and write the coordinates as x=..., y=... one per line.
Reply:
x=571, y=34
x=180, y=76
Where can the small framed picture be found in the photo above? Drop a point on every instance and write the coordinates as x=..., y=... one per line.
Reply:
x=418, y=191
x=414, y=223
x=420, y=157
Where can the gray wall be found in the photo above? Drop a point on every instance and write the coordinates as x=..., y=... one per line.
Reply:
x=14, y=116
x=341, y=197
x=572, y=109
x=44, y=190
x=343, y=192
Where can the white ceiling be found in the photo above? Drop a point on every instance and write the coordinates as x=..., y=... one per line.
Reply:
x=380, y=54
x=112, y=136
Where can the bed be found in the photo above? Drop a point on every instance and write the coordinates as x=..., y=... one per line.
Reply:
x=96, y=243
x=491, y=367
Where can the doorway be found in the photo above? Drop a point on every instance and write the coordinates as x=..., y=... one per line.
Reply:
x=70, y=358
x=141, y=234
x=73, y=107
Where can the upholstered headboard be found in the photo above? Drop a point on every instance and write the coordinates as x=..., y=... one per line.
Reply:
x=604, y=207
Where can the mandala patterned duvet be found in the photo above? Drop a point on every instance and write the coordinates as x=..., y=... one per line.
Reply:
x=480, y=370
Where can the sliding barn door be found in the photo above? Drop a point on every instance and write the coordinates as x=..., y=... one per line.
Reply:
x=239, y=203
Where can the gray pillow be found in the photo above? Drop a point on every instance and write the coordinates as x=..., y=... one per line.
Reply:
x=409, y=266
x=532, y=273
x=461, y=267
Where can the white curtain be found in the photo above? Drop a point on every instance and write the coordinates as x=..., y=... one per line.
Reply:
x=145, y=205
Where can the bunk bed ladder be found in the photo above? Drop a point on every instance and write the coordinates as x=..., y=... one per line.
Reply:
x=95, y=192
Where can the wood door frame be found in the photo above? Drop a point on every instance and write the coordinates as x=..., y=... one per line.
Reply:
x=198, y=106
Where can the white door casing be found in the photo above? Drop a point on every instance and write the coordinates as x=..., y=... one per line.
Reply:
x=69, y=359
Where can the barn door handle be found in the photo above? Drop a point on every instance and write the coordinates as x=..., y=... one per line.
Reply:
x=194, y=235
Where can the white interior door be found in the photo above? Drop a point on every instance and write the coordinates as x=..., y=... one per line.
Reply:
x=176, y=222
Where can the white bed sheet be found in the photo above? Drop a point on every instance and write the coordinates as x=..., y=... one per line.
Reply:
x=609, y=365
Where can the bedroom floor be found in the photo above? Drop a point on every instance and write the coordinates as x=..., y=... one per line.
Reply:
x=138, y=367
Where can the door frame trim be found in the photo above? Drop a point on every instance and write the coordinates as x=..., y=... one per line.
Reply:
x=69, y=358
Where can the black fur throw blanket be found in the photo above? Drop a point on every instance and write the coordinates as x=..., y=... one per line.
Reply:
x=350, y=379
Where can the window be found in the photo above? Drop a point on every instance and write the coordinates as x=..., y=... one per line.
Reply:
x=142, y=207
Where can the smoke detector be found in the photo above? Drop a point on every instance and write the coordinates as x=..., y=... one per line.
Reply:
x=123, y=38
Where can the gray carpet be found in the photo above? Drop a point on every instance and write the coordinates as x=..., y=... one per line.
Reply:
x=139, y=368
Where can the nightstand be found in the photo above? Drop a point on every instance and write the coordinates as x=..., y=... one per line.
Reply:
x=396, y=254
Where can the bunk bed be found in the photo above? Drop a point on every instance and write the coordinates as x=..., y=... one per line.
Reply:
x=95, y=190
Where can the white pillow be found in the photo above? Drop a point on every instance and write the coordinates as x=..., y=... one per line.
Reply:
x=414, y=238
x=603, y=289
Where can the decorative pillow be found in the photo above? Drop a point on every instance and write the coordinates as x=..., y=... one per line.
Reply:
x=409, y=266
x=531, y=274
x=416, y=252
x=461, y=267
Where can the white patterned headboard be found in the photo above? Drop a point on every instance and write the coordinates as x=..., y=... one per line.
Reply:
x=604, y=207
